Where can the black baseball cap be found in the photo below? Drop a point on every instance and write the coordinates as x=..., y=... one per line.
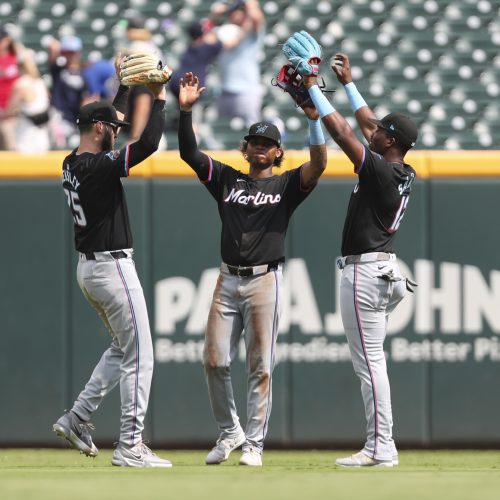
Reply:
x=400, y=126
x=235, y=5
x=99, y=111
x=266, y=130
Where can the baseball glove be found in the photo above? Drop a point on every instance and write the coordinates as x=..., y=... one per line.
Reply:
x=290, y=81
x=141, y=69
x=303, y=52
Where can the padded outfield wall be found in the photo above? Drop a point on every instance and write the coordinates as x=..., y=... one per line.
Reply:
x=443, y=347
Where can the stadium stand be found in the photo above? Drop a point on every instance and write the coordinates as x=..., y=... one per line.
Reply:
x=436, y=60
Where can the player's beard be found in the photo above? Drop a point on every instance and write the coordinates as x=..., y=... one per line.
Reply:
x=108, y=140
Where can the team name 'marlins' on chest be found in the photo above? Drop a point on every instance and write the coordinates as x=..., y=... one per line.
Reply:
x=241, y=197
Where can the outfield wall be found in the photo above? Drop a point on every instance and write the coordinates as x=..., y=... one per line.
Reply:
x=443, y=348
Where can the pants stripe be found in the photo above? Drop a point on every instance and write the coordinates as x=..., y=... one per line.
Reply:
x=361, y=336
x=274, y=334
x=136, y=335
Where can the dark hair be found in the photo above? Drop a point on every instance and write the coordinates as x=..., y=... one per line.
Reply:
x=85, y=127
x=277, y=161
x=195, y=30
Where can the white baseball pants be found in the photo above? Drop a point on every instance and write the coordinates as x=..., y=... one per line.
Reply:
x=113, y=289
x=253, y=304
x=366, y=300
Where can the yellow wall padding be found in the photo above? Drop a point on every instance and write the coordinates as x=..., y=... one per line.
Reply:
x=168, y=163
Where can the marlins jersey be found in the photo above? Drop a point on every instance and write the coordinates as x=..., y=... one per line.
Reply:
x=95, y=193
x=255, y=212
x=96, y=199
x=377, y=205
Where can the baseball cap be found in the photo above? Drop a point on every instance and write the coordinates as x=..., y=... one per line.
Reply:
x=235, y=5
x=98, y=111
x=70, y=43
x=400, y=126
x=266, y=130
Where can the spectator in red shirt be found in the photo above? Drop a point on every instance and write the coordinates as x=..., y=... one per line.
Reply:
x=9, y=73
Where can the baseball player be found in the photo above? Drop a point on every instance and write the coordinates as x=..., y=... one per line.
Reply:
x=107, y=277
x=371, y=284
x=255, y=210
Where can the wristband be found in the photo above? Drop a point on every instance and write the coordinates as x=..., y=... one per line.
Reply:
x=316, y=136
x=320, y=101
x=355, y=98
x=121, y=98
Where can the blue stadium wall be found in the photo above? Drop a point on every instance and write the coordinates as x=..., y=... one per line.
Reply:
x=443, y=348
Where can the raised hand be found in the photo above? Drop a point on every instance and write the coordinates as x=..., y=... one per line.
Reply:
x=189, y=91
x=342, y=68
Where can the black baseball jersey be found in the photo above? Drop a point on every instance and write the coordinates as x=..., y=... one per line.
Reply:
x=377, y=205
x=95, y=196
x=254, y=212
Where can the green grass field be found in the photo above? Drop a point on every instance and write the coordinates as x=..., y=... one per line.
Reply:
x=41, y=474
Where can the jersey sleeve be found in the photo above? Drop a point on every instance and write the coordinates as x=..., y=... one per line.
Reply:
x=295, y=192
x=112, y=164
x=217, y=177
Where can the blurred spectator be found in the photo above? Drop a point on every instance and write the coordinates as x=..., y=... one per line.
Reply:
x=138, y=37
x=100, y=79
x=69, y=89
x=201, y=52
x=140, y=98
x=29, y=104
x=239, y=67
x=9, y=73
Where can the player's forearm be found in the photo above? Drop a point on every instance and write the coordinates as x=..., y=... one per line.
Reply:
x=188, y=145
x=361, y=110
x=151, y=135
x=317, y=149
x=318, y=157
x=120, y=102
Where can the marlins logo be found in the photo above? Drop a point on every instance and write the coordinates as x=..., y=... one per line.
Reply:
x=113, y=155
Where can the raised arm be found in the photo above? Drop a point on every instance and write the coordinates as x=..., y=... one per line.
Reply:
x=189, y=93
x=337, y=126
x=342, y=69
x=255, y=14
x=312, y=170
x=150, y=138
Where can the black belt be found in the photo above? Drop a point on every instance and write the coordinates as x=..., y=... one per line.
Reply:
x=119, y=254
x=252, y=270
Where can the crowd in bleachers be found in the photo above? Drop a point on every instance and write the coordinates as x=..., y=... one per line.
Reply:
x=435, y=60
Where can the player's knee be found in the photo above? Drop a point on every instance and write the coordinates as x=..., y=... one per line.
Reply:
x=211, y=363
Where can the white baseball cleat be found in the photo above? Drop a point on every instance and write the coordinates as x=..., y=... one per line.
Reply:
x=251, y=456
x=361, y=460
x=395, y=459
x=138, y=456
x=223, y=448
x=77, y=433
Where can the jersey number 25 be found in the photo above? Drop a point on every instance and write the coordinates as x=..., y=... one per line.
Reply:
x=76, y=208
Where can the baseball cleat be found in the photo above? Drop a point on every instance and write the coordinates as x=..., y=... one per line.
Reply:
x=223, y=448
x=361, y=460
x=138, y=456
x=251, y=456
x=395, y=460
x=77, y=433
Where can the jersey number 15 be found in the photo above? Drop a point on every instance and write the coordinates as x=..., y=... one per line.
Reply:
x=76, y=208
